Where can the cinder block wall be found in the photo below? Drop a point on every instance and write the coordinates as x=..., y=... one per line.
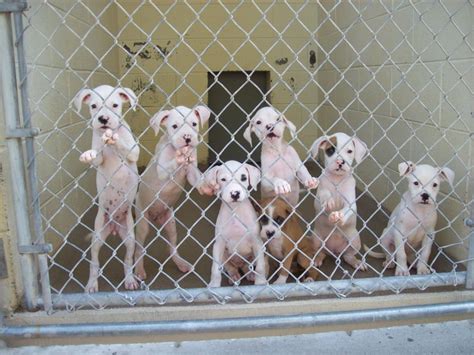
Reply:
x=396, y=90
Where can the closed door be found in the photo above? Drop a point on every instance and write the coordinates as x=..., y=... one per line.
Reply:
x=234, y=97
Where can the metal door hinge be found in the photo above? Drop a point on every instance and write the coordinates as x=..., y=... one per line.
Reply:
x=13, y=6
x=22, y=133
x=35, y=249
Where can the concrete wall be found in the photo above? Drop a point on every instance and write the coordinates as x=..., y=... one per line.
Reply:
x=393, y=86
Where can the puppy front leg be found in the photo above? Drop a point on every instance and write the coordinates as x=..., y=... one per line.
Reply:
x=286, y=266
x=93, y=156
x=401, y=256
x=124, y=142
x=260, y=260
x=305, y=177
x=422, y=267
x=217, y=262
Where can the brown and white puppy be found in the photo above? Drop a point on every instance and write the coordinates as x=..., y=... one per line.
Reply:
x=335, y=204
x=284, y=238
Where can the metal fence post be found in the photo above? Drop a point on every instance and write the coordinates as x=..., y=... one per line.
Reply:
x=16, y=160
x=470, y=224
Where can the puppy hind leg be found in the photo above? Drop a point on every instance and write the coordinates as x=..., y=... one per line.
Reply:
x=311, y=273
x=143, y=227
x=128, y=236
x=101, y=231
x=169, y=225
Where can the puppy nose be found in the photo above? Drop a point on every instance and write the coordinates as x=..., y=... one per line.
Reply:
x=103, y=120
x=270, y=234
x=340, y=161
x=425, y=196
x=187, y=140
x=235, y=195
x=269, y=126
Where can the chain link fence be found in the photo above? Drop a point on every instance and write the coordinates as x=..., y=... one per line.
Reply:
x=395, y=74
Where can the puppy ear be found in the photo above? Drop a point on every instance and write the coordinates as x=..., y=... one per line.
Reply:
x=210, y=177
x=254, y=175
x=290, y=126
x=203, y=113
x=360, y=149
x=159, y=119
x=248, y=134
x=319, y=143
x=127, y=95
x=446, y=174
x=82, y=97
x=406, y=168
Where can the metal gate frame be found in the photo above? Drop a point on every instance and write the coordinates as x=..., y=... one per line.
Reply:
x=31, y=244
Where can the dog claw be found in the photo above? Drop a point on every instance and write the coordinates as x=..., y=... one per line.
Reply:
x=282, y=187
x=88, y=156
x=109, y=137
x=336, y=217
x=92, y=286
x=401, y=271
x=423, y=270
x=311, y=183
x=131, y=283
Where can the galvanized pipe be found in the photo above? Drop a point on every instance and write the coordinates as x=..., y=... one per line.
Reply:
x=15, y=154
x=31, y=163
x=226, y=325
x=227, y=294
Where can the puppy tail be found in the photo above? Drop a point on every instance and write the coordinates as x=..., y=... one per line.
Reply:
x=373, y=253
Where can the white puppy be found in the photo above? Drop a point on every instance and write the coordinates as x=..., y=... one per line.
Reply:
x=237, y=244
x=335, y=204
x=115, y=153
x=411, y=226
x=164, y=179
x=281, y=165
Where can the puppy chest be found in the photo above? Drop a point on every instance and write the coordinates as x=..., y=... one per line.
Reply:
x=275, y=246
x=282, y=167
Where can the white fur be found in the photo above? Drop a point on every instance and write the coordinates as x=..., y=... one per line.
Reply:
x=411, y=226
x=115, y=153
x=282, y=168
x=237, y=243
x=174, y=162
x=335, y=202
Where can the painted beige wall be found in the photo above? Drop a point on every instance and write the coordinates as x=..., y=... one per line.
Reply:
x=198, y=38
x=406, y=102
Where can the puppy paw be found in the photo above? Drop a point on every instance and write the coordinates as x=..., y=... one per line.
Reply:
x=92, y=286
x=131, y=283
x=361, y=265
x=183, y=265
x=402, y=271
x=88, y=156
x=281, y=187
x=260, y=280
x=250, y=276
x=423, y=270
x=333, y=204
x=184, y=156
x=389, y=264
x=319, y=259
x=280, y=280
x=109, y=137
x=140, y=274
x=311, y=183
x=308, y=279
x=214, y=283
x=336, y=217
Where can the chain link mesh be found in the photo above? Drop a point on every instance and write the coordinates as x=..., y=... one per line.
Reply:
x=398, y=75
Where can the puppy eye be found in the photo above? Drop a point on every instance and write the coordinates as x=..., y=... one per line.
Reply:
x=330, y=151
x=243, y=177
x=175, y=126
x=416, y=183
x=435, y=185
x=115, y=105
x=258, y=122
x=264, y=220
x=93, y=106
x=223, y=179
x=279, y=220
x=349, y=151
x=195, y=124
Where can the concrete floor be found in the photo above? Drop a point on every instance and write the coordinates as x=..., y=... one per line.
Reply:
x=438, y=338
x=196, y=247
